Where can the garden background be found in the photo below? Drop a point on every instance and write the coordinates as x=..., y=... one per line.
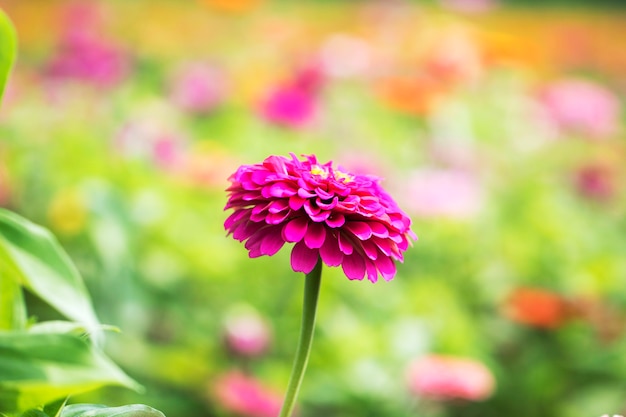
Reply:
x=498, y=127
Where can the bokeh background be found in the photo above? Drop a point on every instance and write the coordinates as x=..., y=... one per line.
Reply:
x=498, y=126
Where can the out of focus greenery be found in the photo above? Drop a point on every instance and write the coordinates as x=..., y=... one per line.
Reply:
x=444, y=104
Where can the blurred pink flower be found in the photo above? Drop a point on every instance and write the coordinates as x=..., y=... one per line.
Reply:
x=90, y=59
x=295, y=102
x=581, y=106
x=144, y=140
x=289, y=106
x=344, y=219
x=596, y=181
x=245, y=396
x=246, y=333
x=443, y=377
x=443, y=192
x=198, y=88
x=83, y=54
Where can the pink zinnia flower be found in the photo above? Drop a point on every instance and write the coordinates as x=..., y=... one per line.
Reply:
x=344, y=219
x=245, y=396
x=582, y=107
x=444, y=377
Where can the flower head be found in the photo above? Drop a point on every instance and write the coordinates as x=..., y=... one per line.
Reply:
x=344, y=219
x=448, y=377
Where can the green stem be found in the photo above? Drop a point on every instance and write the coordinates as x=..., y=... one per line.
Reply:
x=309, y=308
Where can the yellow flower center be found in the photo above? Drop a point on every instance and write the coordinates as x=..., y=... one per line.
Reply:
x=319, y=170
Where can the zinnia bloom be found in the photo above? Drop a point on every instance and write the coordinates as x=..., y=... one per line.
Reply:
x=448, y=377
x=344, y=219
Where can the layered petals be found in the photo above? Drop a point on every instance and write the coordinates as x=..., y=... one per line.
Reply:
x=343, y=219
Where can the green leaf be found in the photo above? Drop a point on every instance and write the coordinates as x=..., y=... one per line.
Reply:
x=8, y=47
x=66, y=327
x=36, y=369
x=54, y=409
x=12, y=308
x=97, y=410
x=32, y=256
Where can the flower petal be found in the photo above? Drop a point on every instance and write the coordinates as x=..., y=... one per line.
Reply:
x=361, y=230
x=344, y=244
x=303, y=259
x=329, y=252
x=353, y=266
x=272, y=242
x=295, y=230
x=336, y=220
x=386, y=267
x=315, y=235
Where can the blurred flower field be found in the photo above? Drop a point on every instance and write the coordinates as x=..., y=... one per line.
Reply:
x=500, y=130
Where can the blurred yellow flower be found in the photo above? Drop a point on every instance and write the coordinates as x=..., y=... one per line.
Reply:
x=67, y=212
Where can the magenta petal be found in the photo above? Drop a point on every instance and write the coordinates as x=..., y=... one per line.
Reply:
x=277, y=218
x=379, y=229
x=272, y=242
x=321, y=216
x=303, y=259
x=336, y=220
x=296, y=202
x=277, y=206
x=295, y=230
x=386, y=267
x=344, y=245
x=370, y=249
x=330, y=253
x=315, y=235
x=234, y=218
x=372, y=272
x=353, y=266
x=361, y=230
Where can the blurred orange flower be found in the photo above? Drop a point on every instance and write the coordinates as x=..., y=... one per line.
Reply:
x=537, y=307
x=237, y=6
x=414, y=95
